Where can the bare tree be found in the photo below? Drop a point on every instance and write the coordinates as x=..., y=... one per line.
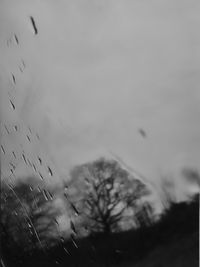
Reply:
x=105, y=193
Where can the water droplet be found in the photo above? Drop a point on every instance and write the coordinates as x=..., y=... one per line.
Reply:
x=45, y=195
x=13, y=78
x=30, y=130
x=34, y=167
x=23, y=63
x=73, y=241
x=34, y=25
x=6, y=129
x=16, y=39
x=75, y=209
x=29, y=162
x=12, y=104
x=50, y=171
x=24, y=158
x=41, y=176
x=66, y=250
x=73, y=227
x=3, y=150
x=40, y=160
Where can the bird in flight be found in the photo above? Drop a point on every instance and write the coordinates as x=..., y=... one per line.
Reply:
x=142, y=132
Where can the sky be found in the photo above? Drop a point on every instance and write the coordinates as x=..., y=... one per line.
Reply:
x=94, y=75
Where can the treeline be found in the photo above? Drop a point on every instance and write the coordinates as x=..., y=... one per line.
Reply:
x=109, y=219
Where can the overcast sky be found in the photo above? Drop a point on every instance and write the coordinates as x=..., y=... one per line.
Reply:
x=96, y=72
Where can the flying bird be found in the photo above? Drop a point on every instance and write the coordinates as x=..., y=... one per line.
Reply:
x=142, y=133
x=34, y=25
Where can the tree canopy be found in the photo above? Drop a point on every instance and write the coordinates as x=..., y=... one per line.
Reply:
x=106, y=194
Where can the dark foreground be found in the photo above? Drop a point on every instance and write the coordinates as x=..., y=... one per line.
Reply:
x=173, y=241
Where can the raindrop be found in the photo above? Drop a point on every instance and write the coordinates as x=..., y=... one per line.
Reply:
x=50, y=171
x=66, y=188
x=39, y=189
x=28, y=138
x=40, y=160
x=6, y=129
x=50, y=196
x=3, y=150
x=14, y=154
x=16, y=128
x=13, y=78
x=73, y=241
x=34, y=25
x=12, y=165
x=12, y=104
x=29, y=162
x=34, y=167
x=75, y=209
x=41, y=176
x=73, y=227
x=24, y=158
x=16, y=39
x=30, y=130
x=15, y=213
x=56, y=222
x=23, y=63
x=66, y=250
x=45, y=195
x=62, y=240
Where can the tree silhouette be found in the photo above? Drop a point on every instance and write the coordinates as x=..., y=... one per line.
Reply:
x=28, y=217
x=105, y=193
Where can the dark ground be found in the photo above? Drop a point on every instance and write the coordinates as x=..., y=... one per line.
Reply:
x=172, y=241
